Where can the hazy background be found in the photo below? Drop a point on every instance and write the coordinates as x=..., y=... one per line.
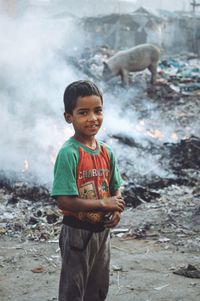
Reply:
x=163, y=4
x=33, y=75
x=91, y=7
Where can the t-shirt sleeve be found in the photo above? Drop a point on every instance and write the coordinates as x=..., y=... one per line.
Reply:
x=115, y=177
x=65, y=174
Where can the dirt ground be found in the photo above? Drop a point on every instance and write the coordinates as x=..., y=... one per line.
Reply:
x=141, y=270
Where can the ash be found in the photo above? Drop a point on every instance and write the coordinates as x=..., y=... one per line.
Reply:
x=161, y=173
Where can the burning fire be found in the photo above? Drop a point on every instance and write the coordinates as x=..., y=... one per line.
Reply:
x=155, y=134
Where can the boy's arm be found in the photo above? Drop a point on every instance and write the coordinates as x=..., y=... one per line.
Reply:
x=115, y=216
x=74, y=203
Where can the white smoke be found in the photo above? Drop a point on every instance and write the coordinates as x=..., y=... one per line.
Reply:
x=34, y=74
x=32, y=80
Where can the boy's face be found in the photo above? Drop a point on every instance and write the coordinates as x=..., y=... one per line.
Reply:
x=87, y=116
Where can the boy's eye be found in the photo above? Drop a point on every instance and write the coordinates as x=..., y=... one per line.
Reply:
x=83, y=113
x=98, y=111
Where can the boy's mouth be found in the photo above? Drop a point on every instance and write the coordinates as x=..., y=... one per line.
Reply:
x=92, y=126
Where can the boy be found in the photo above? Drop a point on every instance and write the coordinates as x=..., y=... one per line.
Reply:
x=86, y=187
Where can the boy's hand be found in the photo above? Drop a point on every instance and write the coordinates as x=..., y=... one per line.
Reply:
x=114, y=203
x=113, y=220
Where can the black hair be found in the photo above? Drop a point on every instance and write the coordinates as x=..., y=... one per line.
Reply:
x=78, y=89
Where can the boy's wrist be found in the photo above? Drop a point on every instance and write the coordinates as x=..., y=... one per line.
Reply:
x=102, y=205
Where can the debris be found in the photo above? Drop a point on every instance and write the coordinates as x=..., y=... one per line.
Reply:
x=28, y=211
x=136, y=194
x=38, y=269
x=163, y=239
x=189, y=271
x=116, y=268
x=134, y=234
x=161, y=287
x=185, y=154
x=119, y=230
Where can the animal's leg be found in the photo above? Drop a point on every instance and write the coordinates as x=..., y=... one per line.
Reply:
x=153, y=69
x=124, y=77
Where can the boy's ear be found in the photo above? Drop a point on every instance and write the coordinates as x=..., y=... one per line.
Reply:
x=68, y=117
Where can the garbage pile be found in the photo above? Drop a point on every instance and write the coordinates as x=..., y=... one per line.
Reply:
x=182, y=158
x=168, y=204
x=182, y=75
x=168, y=208
x=172, y=218
x=185, y=154
x=28, y=211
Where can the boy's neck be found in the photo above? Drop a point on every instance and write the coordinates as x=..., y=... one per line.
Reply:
x=90, y=142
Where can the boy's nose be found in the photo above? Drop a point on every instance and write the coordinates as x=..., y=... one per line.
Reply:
x=92, y=117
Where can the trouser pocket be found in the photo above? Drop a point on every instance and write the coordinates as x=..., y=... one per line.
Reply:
x=79, y=238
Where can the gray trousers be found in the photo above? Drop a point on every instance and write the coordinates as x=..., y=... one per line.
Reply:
x=85, y=264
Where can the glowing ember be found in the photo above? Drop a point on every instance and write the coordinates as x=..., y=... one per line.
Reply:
x=155, y=134
x=174, y=136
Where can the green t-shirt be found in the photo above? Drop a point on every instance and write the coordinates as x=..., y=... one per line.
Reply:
x=80, y=171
